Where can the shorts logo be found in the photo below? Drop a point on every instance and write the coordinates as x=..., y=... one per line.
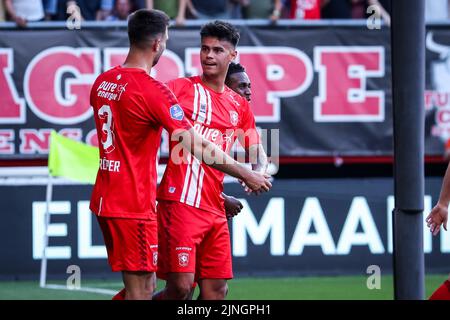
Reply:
x=155, y=258
x=176, y=112
x=234, y=118
x=183, y=259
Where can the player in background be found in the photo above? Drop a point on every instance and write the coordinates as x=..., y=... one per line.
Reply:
x=194, y=236
x=238, y=81
x=437, y=217
x=130, y=109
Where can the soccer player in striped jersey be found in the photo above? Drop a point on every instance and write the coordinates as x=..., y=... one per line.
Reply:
x=194, y=242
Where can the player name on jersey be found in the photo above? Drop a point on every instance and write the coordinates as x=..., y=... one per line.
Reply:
x=109, y=165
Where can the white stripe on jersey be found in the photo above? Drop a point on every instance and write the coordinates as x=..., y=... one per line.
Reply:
x=193, y=185
x=203, y=104
x=186, y=178
x=209, y=107
x=194, y=114
x=200, y=186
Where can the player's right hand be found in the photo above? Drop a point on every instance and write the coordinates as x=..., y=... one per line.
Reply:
x=257, y=181
x=436, y=218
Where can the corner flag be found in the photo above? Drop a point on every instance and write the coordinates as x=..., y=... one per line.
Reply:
x=71, y=159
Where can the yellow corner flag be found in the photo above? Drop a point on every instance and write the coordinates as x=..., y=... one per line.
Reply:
x=71, y=159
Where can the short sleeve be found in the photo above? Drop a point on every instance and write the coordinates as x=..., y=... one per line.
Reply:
x=166, y=110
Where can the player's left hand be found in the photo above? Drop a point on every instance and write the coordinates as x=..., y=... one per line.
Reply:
x=232, y=206
x=436, y=218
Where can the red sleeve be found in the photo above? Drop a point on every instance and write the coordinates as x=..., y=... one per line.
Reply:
x=248, y=134
x=165, y=109
x=172, y=86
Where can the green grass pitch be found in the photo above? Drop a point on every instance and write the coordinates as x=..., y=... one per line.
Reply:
x=294, y=288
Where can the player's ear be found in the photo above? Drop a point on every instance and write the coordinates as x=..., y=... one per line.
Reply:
x=233, y=55
x=156, y=45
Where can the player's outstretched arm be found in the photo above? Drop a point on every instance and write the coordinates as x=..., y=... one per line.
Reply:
x=210, y=154
x=258, y=159
x=439, y=214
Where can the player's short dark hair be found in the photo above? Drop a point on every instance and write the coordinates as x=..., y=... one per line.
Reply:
x=221, y=30
x=234, y=68
x=145, y=25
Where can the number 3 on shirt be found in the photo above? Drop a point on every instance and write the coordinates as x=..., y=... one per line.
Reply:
x=106, y=116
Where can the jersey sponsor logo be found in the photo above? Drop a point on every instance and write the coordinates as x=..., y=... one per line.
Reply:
x=210, y=134
x=183, y=259
x=234, y=118
x=111, y=90
x=183, y=248
x=121, y=89
x=176, y=112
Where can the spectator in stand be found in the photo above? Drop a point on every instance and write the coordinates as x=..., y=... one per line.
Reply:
x=203, y=9
x=50, y=9
x=236, y=7
x=90, y=9
x=121, y=10
x=262, y=9
x=305, y=9
x=175, y=9
x=23, y=11
x=359, y=10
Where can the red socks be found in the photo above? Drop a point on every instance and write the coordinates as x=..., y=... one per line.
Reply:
x=120, y=295
x=442, y=293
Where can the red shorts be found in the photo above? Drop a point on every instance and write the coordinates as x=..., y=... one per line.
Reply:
x=132, y=244
x=193, y=240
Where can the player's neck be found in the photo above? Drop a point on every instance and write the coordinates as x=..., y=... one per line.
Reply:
x=216, y=84
x=139, y=60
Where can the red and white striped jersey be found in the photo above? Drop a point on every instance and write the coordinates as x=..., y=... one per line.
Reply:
x=219, y=118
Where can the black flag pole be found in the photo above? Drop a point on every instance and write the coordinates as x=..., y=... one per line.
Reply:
x=408, y=85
